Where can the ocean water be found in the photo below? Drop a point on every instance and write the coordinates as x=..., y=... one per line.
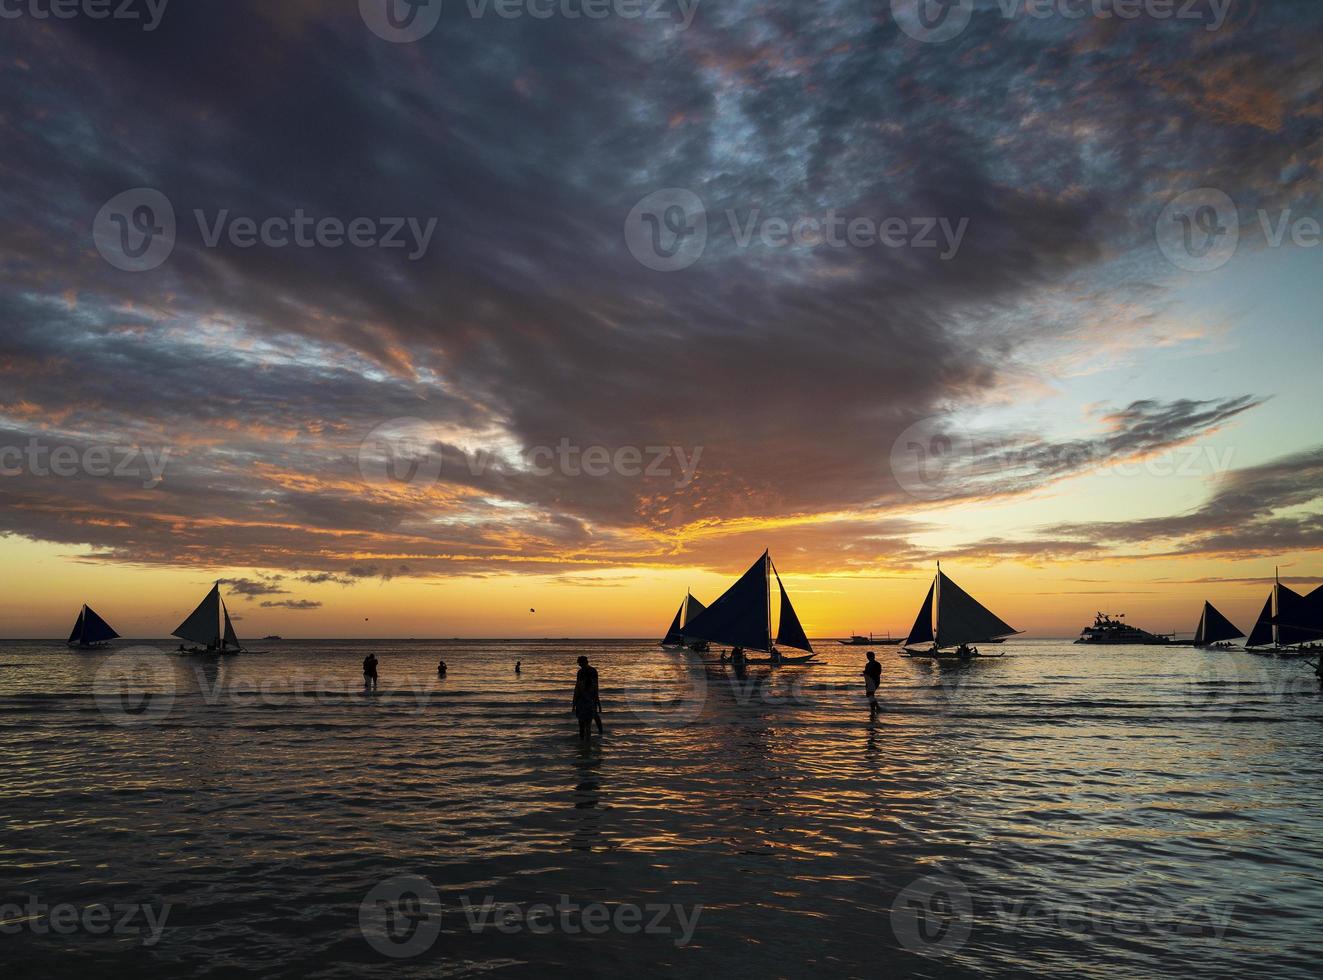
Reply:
x=1056, y=812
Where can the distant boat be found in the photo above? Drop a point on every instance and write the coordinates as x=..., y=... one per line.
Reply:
x=951, y=618
x=689, y=608
x=209, y=625
x=90, y=631
x=870, y=641
x=742, y=617
x=1214, y=629
x=1110, y=631
x=1289, y=624
x=273, y=637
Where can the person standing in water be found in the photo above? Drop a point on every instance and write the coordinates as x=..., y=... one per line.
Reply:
x=519, y=666
x=441, y=669
x=587, y=703
x=872, y=679
x=370, y=672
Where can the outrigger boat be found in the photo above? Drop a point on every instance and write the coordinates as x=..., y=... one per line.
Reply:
x=674, y=638
x=1215, y=630
x=209, y=625
x=90, y=631
x=1290, y=624
x=742, y=619
x=951, y=620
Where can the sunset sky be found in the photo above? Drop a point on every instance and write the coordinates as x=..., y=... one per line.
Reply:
x=1118, y=430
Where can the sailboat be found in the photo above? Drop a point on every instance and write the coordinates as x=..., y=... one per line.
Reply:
x=209, y=625
x=742, y=617
x=951, y=617
x=689, y=608
x=856, y=640
x=90, y=631
x=1283, y=624
x=1214, y=629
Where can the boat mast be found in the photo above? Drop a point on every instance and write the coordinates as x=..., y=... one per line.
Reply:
x=1276, y=589
x=767, y=575
x=937, y=608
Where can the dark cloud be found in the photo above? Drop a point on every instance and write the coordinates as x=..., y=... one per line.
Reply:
x=528, y=322
x=298, y=604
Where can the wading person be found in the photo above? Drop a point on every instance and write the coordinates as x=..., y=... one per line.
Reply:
x=370, y=672
x=441, y=669
x=872, y=679
x=587, y=703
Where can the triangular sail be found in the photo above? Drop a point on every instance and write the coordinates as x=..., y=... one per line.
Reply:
x=230, y=638
x=673, y=634
x=95, y=629
x=740, y=617
x=922, y=630
x=1291, y=618
x=77, y=635
x=789, y=633
x=1214, y=628
x=963, y=619
x=203, y=625
x=1261, y=635
x=692, y=607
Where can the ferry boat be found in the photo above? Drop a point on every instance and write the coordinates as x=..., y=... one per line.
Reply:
x=1108, y=630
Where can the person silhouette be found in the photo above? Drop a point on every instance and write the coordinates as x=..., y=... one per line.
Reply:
x=519, y=666
x=587, y=702
x=872, y=679
x=441, y=669
x=370, y=672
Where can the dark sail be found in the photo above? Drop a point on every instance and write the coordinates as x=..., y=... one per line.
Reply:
x=203, y=625
x=1261, y=635
x=1292, y=618
x=739, y=618
x=789, y=633
x=673, y=634
x=1214, y=628
x=963, y=619
x=692, y=608
x=96, y=629
x=922, y=630
x=77, y=634
x=230, y=638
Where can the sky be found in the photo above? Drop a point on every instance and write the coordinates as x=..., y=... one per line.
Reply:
x=411, y=320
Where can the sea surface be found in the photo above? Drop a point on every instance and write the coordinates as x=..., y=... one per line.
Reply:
x=1056, y=812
